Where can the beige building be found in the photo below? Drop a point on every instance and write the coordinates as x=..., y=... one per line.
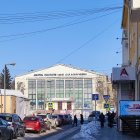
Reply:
x=16, y=102
x=63, y=89
x=126, y=79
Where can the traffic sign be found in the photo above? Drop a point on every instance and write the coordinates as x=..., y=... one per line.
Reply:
x=106, y=97
x=106, y=105
x=95, y=96
x=50, y=104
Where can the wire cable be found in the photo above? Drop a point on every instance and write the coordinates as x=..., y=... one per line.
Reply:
x=23, y=18
x=53, y=28
x=86, y=43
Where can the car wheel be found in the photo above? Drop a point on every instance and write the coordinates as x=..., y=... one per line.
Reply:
x=15, y=135
x=11, y=136
x=54, y=126
x=22, y=134
x=39, y=132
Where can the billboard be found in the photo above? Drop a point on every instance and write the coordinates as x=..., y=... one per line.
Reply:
x=128, y=108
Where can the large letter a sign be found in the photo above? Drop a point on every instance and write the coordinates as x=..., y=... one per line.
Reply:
x=123, y=73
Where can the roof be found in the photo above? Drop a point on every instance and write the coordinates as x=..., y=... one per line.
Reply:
x=10, y=92
x=70, y=66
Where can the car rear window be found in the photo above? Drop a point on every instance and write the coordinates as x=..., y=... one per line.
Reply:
x=91, y=115
x=54, y=117
x=6, y=118
x=61, y=116
x=30, y=119
x=42, y=116
x=66, y=116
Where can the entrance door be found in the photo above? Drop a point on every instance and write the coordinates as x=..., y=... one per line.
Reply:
x=59, y=105
x=68, y=105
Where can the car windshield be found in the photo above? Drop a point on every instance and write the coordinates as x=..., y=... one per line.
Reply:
x=6, y=118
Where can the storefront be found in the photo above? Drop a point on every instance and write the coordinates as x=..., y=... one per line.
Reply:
x=123, y=79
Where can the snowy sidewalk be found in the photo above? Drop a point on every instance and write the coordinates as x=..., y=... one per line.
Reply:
x=88, y=131
x=108, y=133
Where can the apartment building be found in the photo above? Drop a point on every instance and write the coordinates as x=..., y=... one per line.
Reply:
x=126, y=79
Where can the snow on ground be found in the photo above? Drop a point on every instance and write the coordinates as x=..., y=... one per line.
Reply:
x=88, y=131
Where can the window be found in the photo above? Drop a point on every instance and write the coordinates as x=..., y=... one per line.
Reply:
x=50, y=89
x=32, y=89
x=59, y=88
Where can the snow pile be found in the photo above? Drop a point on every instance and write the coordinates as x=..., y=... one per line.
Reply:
x=88, y=131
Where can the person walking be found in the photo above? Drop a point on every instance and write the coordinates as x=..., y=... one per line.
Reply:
x=102, y=119
x=75, y=121
x=81, y=119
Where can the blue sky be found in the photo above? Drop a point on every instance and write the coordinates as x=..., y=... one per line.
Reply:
x=68, y=45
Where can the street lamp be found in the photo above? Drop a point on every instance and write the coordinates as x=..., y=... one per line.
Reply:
x=12, y=64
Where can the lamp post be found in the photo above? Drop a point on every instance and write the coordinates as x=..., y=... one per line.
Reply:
x=13, y=64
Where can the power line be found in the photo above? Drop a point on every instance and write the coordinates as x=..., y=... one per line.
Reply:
x=22, y=35
x=33, y=17
x=87, y=42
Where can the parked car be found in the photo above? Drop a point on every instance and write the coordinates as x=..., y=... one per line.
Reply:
x=94, y=116
x=34, y=123
x=6, y=132
x=67, y=118
x=58, y=119
x=15, y=123
x=50, y=122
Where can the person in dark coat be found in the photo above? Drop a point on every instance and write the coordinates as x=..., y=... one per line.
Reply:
x=102, y=119
x=81, y=118
x=111, y=119
x=75, y=121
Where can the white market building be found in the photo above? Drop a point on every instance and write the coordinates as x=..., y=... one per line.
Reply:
x=64, y=88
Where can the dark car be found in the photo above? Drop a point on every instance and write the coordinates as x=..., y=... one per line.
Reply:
x=35, y=123
x=15, y=123
x=67, y=118
x=94, y=116
x=6, y=132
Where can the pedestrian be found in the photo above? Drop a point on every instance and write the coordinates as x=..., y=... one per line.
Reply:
x=109, y=118
x=112, y=119
x=102, y=119
x=75, y=121
x=81, y=118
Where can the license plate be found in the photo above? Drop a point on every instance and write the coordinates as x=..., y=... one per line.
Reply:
x=28, y=128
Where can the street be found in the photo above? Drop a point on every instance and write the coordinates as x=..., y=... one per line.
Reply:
x=49, y=134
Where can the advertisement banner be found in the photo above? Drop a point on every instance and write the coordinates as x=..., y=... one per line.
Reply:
x=128, y=108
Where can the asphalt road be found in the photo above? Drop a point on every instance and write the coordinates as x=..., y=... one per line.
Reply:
x=44, y=135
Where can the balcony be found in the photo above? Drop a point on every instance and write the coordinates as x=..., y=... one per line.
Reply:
x=135, y=10
x=135, y=4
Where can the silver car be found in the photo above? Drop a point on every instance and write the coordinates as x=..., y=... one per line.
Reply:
x=51, y=123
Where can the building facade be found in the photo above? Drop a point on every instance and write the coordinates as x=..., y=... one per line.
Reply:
x=61, y=88
x=126, y=79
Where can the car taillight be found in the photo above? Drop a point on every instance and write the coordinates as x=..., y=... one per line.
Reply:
x=37, y=123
